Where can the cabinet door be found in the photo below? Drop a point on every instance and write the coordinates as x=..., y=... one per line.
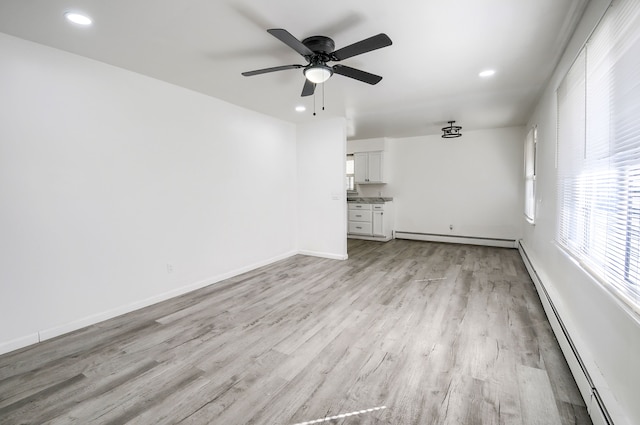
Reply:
x=378, y=223
x=374, y=167
x=360, y=167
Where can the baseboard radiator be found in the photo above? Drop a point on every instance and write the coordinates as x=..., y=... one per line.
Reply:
x=470, y=240
x=602, y=415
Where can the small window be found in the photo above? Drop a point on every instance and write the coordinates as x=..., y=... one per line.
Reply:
x=350, y=172
x=530, y=145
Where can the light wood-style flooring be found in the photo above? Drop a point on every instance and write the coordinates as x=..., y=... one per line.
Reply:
x=403, y=332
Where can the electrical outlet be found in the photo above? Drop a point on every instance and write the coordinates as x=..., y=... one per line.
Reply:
x=169, y=268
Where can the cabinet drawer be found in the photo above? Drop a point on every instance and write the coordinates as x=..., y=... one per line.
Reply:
x=354, y=206
x=357, y=215
x=360, y=228
x=378, y=207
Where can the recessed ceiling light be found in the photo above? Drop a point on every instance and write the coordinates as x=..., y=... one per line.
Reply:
x=487, y=73
x=301, y=108
x=78, y=18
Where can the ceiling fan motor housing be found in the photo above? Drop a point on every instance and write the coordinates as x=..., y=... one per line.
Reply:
x=320, y=44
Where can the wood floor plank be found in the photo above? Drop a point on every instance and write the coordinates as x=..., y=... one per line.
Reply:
x=436, y=333
x=536, y=397
x=123, y=403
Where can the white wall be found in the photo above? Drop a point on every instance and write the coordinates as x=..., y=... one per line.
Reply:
x=322, y=213
x=606, y=335
x=107, y=176
x=473, y=183
x=366, y=145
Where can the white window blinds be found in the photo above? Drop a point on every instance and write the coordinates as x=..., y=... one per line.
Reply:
x=599, y=153
x=350, y=173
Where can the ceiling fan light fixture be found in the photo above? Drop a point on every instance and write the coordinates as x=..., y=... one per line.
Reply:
x=451, y=131
x=318, y=73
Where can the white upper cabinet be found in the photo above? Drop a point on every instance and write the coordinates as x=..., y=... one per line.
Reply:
x=368, y=167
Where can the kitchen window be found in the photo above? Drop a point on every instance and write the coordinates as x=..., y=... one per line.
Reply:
x=351, y=173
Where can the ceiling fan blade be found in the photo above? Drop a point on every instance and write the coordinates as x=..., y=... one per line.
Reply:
x=288, y=39
x=308, y=88
x=372, y=43
x=356, y=74
x=273, y=69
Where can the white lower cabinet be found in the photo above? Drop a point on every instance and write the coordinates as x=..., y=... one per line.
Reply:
x=370, y=221
x=360, y=219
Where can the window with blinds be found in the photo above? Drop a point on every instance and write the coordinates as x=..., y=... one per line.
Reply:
x=530, y=174
x=350, y=173
x=599, y=154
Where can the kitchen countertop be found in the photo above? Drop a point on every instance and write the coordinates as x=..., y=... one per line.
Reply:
x=372, y=200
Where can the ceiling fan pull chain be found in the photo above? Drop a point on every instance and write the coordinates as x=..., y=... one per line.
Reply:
x=323, y=97
x=314, y=103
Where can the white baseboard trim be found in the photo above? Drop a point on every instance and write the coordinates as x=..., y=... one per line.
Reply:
x=369, y=238
x=55, y=331
x=469, y=240
x=579, y=369
x=323, y=255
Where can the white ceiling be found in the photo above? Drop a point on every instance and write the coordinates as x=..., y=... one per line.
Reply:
x=430, y=73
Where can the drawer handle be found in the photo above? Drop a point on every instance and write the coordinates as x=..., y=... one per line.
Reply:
x=358, y=215
x=358, y=227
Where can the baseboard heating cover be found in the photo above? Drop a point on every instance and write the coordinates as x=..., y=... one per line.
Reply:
x=470, y=240
x=602, y=416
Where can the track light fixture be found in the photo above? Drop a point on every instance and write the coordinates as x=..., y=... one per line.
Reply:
x=451, y=131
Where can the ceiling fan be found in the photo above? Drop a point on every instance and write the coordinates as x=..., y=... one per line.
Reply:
x=318, y=50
